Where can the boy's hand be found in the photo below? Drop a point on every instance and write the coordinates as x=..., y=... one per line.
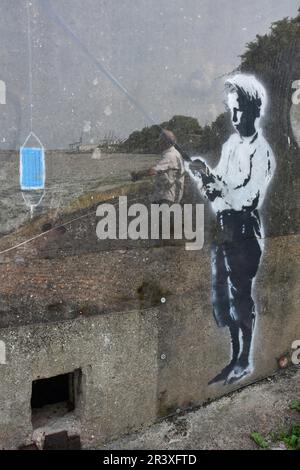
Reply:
x=212, y=191
x=198, y=166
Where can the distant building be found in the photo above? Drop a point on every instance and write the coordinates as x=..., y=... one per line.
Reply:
x=75, y=146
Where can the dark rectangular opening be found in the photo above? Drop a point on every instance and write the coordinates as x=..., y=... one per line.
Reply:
x=54, y=397
x=53, y=390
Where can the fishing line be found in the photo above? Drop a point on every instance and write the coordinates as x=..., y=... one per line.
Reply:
x=25, y=242
x=29, y=44
x=32, y=155
x=60, y=21
x=47, y=7
x=66, y=28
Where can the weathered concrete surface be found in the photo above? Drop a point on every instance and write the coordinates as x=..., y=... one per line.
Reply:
x=228, y=422
x=55, y=288
x=119, y=370
x=141, y=359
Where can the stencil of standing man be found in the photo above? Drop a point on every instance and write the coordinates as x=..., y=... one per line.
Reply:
x=236, y=188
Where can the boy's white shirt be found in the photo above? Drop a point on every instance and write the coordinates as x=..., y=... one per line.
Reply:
x=243, y=173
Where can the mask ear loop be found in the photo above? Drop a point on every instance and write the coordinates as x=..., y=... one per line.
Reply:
x=32, y=206
x=32, y=134
x=24, y=188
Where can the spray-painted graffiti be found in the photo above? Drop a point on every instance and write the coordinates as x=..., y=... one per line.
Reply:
x=236, y=188
x=2, y=353
x=2, y=92
x=295, y=110
x=296, y=94
x=296, y=352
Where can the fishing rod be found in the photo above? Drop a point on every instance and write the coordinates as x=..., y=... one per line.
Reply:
x=46, y=4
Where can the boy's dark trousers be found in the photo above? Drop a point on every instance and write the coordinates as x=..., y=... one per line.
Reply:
x=235, y=260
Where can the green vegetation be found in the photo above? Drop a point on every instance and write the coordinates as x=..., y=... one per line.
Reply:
x=191, y=136
x=294, y=405
x=187, y=130
x=290, y=437
x=259, y=53
x=275, y=59
x=259, y=440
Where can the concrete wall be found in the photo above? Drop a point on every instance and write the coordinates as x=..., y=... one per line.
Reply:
x=144, y=363
x=119, y=370
x=69, y=301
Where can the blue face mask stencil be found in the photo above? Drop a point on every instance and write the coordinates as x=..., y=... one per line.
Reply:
x=32, y=168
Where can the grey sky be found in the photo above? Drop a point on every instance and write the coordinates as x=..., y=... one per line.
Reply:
x=168, y=53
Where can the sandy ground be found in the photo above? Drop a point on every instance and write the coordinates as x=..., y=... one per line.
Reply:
x=228, y=422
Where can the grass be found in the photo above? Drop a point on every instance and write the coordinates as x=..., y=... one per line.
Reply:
x=290, y=437
x=294, y=405
x=259, y=440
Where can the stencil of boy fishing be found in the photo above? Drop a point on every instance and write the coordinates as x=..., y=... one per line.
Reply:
x=236, y=189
